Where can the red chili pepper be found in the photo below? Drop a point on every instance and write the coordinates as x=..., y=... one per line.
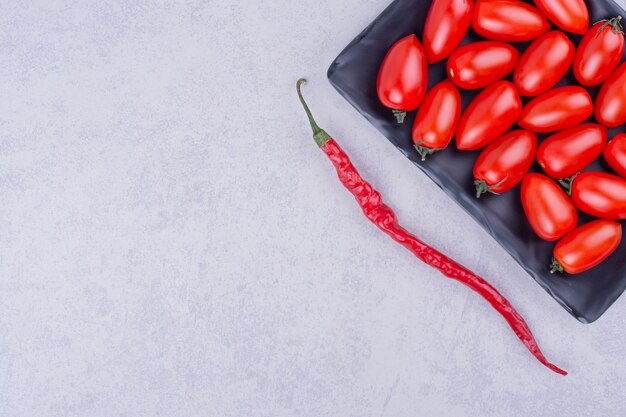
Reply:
x=385, y=219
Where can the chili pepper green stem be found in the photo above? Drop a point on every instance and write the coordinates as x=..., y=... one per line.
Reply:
x=319, y=135
x=556, y=267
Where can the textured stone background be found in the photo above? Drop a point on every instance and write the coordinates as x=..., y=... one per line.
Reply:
x=172, y=243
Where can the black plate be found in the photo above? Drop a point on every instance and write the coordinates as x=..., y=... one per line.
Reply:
x=586, y=296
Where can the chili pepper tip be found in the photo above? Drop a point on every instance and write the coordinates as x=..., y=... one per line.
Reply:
x=319, y=135
x=556, y=369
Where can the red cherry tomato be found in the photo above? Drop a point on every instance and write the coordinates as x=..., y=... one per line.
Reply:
x=446, y=25
x=600, y=194
x=508, y=20
x=586, y=246
x=437, y=119
x=611, y=100
x=548, y=209
x=569, y=15
x=492, y=112
x=478, y=64
x=570, y=151
x=557, y=109
x=403, y=77
x=543, y=64
x=599, y=52
x=503, y=164
x=615, y=154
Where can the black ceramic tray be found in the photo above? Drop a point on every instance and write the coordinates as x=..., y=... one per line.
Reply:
x=586, y=296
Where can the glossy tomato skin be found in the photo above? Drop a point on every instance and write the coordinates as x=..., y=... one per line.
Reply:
x=615, y=154
x=599, y=53
x=570, y=15
x=508, y=20
x=492, y=112
x=403, y=76
x=479, y=64
x=568, y=152
x=437, y=118
x=503, y=164
x=557, y=109
x=543, y=64
x=600, y=195
x=587, y=246
x=548, y=209
x=447, y=23
x=610, y=106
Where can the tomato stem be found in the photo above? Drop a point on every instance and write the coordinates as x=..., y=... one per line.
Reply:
x=482, y=187
x=556, y=267
x=567, y=183
x=615, y=23
x=319, y=135
x=423, y=150
x=400, y=115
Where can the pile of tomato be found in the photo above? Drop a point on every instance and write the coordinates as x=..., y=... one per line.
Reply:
x=551, y=199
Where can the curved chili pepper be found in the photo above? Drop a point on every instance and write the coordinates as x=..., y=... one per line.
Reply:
x=385, y=219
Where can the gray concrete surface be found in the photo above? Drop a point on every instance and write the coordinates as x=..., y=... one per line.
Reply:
x=172, y=243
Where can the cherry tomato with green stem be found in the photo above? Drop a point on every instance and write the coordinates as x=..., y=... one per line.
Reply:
x=600, y=52
x=447, y=23
x=570, y=15
x=586, y=247
x=570, y=151
x=492, y=112
x=403, y=77
x=549, y=210
x=615, y=154
x=556, y=110
x=508, y=20
x=600, y=195
x=479, y=64
x=503, y=164
x=544, y=63
x=437, y=119
x=610, y=108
